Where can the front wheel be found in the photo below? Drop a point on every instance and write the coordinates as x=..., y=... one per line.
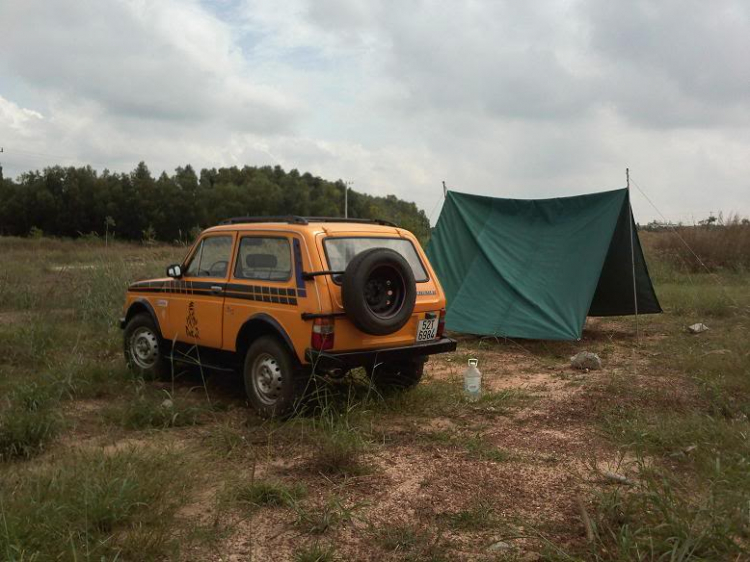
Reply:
x=396, y=376
x=275, y=381
x=143, y=348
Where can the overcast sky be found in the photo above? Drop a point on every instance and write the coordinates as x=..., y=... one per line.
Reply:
x=503, y=98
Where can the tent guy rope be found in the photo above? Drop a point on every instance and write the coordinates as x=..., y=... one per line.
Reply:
x=716, y=279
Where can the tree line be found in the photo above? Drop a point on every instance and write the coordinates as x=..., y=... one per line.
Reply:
x=69, y=201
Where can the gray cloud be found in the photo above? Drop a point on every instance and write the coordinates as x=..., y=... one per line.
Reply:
x=506, y=98
x=674, y=64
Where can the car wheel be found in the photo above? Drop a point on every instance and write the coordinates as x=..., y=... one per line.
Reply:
x=378, y=291
x=144, y=349
x=396, y=376
x=275, y=381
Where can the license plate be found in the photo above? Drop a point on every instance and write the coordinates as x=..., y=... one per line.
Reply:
x=427, y=329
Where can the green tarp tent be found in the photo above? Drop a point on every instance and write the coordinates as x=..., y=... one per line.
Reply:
x=536, y=268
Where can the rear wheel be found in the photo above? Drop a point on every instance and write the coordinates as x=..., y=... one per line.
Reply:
x=144, y=349
x=396, y=376
x=275, y=382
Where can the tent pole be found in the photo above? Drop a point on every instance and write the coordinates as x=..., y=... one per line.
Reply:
x=632, y=259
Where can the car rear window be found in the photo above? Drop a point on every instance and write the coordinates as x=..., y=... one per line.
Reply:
x=340, y=252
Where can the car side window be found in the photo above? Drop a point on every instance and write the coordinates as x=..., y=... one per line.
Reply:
x=263, y=258
x=211, y=258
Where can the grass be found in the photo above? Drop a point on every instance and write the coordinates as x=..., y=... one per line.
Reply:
x=478, y=447
x=148, y=409
x=692, y=499
x=93, y=505
x=411, y=542
x=266, y=493
x=28, y=422
x=227, y=440
x=29, y=342
x=25, y=433
x=478, y=516
x=668, y=518
x=722, y=246
x=338, y=452
x=337, y=424
x=316, y=520
x=683, y=423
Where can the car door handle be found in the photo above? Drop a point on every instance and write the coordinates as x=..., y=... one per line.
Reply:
x=216, y=288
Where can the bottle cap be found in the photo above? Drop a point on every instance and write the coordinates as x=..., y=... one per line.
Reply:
x=473, y=362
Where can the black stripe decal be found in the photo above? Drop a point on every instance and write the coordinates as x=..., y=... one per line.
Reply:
x=259, y=293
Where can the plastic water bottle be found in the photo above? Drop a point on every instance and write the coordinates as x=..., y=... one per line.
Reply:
x=472, y=381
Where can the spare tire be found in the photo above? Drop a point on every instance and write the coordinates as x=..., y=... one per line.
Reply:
x=379, y=291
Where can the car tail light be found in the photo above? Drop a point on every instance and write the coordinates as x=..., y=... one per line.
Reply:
x=441, y=323
x=322, y=334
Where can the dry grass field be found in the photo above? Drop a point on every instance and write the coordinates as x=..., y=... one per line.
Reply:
x=646, y=459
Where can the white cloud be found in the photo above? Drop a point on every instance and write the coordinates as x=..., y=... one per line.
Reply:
x=18, y=119
x=154, y=61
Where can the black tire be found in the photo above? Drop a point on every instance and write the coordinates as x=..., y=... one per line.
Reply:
x=275, y=381
x=396, y=376
x=379, y=291
x=144, y=348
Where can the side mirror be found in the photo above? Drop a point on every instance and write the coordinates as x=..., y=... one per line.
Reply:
x=174, y=271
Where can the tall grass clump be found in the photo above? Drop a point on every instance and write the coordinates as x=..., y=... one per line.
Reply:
x=716, y=291
x=724, y=246
x=28, y=342
x=155, y=410
x=315, y=553
x=338, y=444
x=318, y=519
x=29, y=420
x=412, y=542
x=340, y=417
x=262, y=493
x=338, y=451
x=671, y=518
x=93, y=506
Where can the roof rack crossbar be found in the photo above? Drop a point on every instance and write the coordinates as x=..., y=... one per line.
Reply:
x=295, y=219
x=359, y=221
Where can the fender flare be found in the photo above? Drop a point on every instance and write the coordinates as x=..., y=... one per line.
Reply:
x=134, y=308
x=270, y=322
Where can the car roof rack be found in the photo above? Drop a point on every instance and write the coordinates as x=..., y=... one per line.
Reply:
x=360, y=221
x=295, y=219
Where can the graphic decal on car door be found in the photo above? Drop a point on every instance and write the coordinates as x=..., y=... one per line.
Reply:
x=191, y=323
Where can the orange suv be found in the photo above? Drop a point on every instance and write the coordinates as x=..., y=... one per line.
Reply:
x=280, y=298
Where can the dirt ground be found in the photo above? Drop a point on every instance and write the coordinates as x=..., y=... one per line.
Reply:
x=421, y=475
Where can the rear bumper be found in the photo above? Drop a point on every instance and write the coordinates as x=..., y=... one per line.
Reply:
x=366, y=357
